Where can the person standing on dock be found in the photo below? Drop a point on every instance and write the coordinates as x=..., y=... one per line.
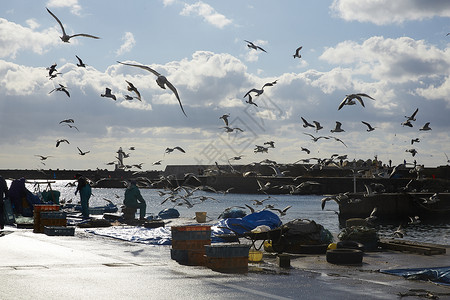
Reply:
x=134, y=199
x=85, y=194
x=3, y=191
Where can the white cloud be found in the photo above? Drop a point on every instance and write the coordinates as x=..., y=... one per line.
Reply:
x=128, y=43
x=168, y=2
x=24, y=38
x=400, y=60
x=383, y=12
x=211, y=84
x=75, y=8
x=208, y=13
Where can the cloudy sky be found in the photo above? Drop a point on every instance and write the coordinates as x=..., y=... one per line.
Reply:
x=395, y=51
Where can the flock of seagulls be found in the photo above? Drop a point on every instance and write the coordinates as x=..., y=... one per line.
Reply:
x=187, y=198
x=161, y=80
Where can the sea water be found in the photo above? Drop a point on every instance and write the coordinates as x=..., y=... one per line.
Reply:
x=302, y=207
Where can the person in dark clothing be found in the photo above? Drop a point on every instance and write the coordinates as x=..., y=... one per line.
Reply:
x=85, y=194
x=3, y=192
x=134, y=199
x=18, y=195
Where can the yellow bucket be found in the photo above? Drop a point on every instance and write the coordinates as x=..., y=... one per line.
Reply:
x=255, y=255
x=200, y=216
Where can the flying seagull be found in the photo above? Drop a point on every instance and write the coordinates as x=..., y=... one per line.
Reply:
x=297, y=52
x=43, y=157
x=61, y=88
x=51, y=69
x=283, y=211
x=338, y=140
x=306, y=123
x=337, y=128
x=67, y=121
x=253, y=46
x=169, y=150
x=61, y=141
x=370, y=128
x=318, y=126
x=132, y=88
x=160, y=80
x=306, y=150
x=416, y=140
x=65, y=38
x=315, y=139
x=413, y=116
x=80, y=63
x=108, y=94
x=412, y=151
x=72, y=126
x=426, y=127
x=348, y=100
x=83, y=153
x=225, y=118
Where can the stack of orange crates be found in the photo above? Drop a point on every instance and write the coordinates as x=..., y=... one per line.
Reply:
x=38, y=208
x=188, y=244
x=227, y=258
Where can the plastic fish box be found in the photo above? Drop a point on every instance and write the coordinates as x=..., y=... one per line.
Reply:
x=59, y=230
x=191, y=228
x=191, y=235
x=228, y=264
x=227, y=250
x=190, y=244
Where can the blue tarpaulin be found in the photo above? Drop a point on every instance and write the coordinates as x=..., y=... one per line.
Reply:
x=439, y=275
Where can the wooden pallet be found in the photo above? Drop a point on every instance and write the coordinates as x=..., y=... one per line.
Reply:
x=420, y=248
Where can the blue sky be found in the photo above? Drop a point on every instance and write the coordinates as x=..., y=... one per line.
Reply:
x=395, y=51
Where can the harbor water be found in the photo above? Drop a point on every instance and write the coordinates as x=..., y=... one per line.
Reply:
x=302, y=207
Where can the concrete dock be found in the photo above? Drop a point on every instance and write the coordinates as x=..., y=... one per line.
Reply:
x=37, y=266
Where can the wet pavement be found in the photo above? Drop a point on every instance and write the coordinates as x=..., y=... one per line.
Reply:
x=37, y=266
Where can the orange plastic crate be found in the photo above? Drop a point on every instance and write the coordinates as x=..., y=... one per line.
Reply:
x=45, y=207
x=190, y=244
x=191, y=228
x=228, y=264
x=196, y=258
x=37, y=215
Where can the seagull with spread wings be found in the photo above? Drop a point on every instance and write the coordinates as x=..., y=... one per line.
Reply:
x=169, y=150
x=108, y=94
x=59, y=141
x=315, y=139
x=253, y=46
x=65, y=38
x=132, y=88
x=338, y=127
x=161, y=80
x=306, y=123
x=349, y=99
x=82, y=152
x=426, y=127
x=297, y=52
x=61, y=88
x=225, y=118
x=370, y=128
x=80, y=63
x=413, y=116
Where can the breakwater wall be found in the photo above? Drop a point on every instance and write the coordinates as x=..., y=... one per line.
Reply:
x=57, y=174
